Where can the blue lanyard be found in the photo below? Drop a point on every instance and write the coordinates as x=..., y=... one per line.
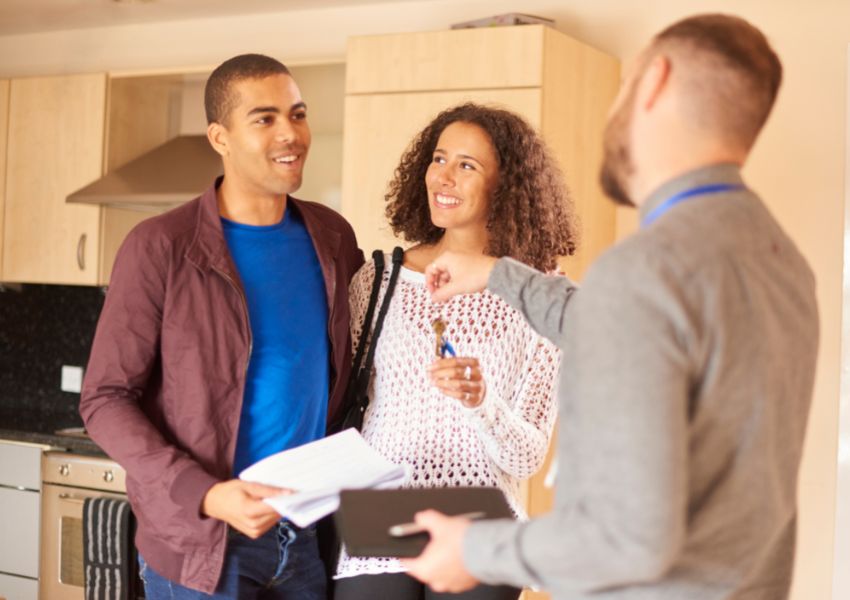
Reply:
x=687, y=195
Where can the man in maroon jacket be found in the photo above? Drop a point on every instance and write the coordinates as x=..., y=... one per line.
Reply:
x=225, y=338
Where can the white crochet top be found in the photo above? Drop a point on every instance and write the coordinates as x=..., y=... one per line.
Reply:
x=499, y=443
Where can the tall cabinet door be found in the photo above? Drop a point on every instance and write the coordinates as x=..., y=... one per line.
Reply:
x=378, y=129
x=56, y=129
x=4, y=121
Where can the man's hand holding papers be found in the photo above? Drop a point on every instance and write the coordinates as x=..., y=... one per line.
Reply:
x=316, y=472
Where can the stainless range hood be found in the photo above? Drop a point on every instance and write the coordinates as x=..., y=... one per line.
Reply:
x=170, y=174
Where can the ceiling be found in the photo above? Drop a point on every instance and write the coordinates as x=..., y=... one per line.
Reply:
x=30, y=16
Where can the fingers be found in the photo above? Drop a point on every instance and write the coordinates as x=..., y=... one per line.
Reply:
x=453, y=361
x=436, y=276
x=253, y=517
x=253, y=508
x=429, y=519
x=460, y=378
x=240, y=504
x=445, y=292
x=470, y=395
x=459, y=389
x=255, y=527
x=454, y=273
x=461, y=369
x=259, y=490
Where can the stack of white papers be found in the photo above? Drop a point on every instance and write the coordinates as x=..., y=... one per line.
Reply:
x=317, y=471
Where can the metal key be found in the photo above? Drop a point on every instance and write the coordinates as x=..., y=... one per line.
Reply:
x=439, y=327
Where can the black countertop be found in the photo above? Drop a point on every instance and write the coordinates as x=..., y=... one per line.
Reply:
x=56, y=442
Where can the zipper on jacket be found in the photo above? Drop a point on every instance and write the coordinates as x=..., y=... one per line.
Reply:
x=247, y=363
x=247, y=315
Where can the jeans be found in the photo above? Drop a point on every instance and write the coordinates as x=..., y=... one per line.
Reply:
x=282, y=564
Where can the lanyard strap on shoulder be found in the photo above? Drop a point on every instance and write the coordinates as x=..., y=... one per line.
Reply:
x=686, y=195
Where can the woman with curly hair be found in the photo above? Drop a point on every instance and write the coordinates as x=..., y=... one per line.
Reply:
x=475, y=180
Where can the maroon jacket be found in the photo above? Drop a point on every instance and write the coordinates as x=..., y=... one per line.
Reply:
x=163, y=389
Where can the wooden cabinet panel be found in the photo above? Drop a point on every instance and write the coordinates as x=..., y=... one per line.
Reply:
x=581, y=84
x=378, y=129
x=56, y=128
x=468, y=59
x=4, y=119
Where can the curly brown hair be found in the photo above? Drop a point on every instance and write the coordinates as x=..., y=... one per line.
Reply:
x=532, y=218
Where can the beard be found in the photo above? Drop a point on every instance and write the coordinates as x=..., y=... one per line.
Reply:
x=617, y=166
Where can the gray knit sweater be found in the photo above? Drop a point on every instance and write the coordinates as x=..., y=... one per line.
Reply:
x=687, y=372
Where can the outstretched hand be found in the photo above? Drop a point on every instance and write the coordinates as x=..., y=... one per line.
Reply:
x=454, y=273
x=240, y=504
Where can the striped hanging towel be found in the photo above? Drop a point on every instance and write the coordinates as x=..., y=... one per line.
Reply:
x=108, y=557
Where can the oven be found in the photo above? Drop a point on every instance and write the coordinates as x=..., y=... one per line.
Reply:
x=67, y=480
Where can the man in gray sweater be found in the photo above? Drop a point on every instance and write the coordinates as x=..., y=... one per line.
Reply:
x=689, y=356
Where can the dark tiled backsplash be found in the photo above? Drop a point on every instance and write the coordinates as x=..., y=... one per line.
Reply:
x=43, y=327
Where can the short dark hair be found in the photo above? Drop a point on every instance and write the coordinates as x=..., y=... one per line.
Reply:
x=531, y=218
x=219, y=98
x=737, y=74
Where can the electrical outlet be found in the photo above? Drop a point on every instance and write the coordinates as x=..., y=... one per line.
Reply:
x=72, y=379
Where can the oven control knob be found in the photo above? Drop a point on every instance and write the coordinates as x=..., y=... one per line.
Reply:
x=108, y=476
x=64, y=470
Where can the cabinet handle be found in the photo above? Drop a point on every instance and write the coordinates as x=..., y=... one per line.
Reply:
x=70, y=498
x=81, y=252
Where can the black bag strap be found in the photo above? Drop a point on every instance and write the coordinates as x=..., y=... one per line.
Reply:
x=362, y=376
x=378, y=259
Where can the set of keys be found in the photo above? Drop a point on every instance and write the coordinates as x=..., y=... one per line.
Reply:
x=442, y=347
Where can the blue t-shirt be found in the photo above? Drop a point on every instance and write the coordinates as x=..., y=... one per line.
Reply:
x=286, y=392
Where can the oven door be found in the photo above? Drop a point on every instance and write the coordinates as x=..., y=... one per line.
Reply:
x=61, y=569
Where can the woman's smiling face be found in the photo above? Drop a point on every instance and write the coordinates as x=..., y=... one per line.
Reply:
x=462, y=177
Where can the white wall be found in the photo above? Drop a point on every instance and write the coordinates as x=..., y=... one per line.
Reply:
x=798, y=164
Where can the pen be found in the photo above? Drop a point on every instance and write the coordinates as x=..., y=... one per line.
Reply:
x=405, y=529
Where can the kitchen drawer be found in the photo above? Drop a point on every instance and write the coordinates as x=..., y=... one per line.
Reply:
x=18, y=588
x=20, y=465
x=19, y=532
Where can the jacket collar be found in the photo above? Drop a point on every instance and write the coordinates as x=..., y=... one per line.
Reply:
x=208, y=248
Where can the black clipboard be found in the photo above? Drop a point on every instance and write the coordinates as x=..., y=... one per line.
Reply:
x=365, y=516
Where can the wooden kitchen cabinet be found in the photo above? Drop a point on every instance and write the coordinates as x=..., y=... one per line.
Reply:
x=395, y=84
x=64, y=133
x=55, y=145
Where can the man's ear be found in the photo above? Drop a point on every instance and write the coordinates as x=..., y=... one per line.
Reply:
x=217, y=135
x=655, y=80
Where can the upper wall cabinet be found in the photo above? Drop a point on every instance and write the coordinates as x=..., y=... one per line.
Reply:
x=55, y=145
x=65, y=132
x=395, y=84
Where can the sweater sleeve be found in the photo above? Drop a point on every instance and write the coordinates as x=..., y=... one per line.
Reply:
x=358, y=298
x=516, y=425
